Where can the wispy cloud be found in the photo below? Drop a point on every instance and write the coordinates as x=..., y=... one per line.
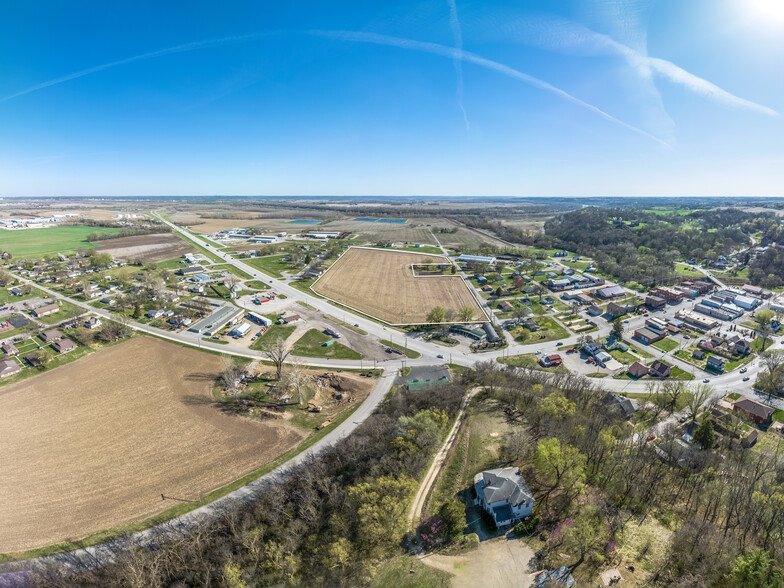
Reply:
x=451, y=52
x=457, y=34
x=359, y=37
x=571, y=38
x=159, y=53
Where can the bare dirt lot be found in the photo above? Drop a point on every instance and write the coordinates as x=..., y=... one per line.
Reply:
x=381, y=283
x=93, y=444
x=147, y=247
x=499, y=562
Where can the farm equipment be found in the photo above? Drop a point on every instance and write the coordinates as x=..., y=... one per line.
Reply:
x=324, y=425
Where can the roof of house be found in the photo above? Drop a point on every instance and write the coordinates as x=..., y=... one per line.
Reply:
x=52, y=334
x=753, y=407
x=660, y=368
x=638, y=369
x=9, y=366
x=64, y=344
x=504, y=484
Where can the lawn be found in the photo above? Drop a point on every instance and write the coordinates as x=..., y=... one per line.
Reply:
x=34, y=242
x=274, y=332
x=528, y=360
x=338, y=321
x=665, y=344
x=550, y=331
x=410, y=353
x=272, y=264
x=256, y=285
x=311, y=344
x=624, y=357
x=406, y=571
x=7, y=298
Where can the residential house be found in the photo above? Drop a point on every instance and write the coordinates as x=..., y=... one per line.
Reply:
x=154, y=314
x=618, y=310
x=9, y=348
x=715, y=363
x=698, y=354
x=64, y=345
x=16, y=291
x=626, y=406
x=51, y=335
x=504, y=495
x=45, y=310
x=191, y=269
x=594, y=310
x=8, y=368
x=93, y=322
x=759, y=413
x=637, y=370
x=505, y=306
x=659, y=369
x=32, y=359
x=739, y=346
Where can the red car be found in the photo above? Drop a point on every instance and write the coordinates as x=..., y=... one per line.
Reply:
x=651, y=437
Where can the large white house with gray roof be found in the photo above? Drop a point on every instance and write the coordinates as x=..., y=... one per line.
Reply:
x=503, y=493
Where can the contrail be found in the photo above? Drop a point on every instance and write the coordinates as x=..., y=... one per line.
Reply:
x=453, y=53
x=178, y=49
x=457, y=34
x=359, y=37
x=571, y=38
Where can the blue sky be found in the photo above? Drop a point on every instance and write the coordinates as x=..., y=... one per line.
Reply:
x=442, y=97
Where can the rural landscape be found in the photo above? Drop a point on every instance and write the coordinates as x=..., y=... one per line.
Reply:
x=469, y=396
x=413, y=294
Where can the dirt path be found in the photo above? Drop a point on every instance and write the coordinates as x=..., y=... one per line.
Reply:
x=431, y=477
x=499, y=562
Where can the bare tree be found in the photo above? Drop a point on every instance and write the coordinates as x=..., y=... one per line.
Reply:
x=277, y=351
x=697, y=398
x=297, y=380
x=230, y=373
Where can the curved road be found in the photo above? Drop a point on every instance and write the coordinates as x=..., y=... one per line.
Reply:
x=101, y=554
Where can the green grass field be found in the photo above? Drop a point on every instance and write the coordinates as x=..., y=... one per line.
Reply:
x=665, y=344
x=274, y=332
x=35, y=242
x=272, y=265
x=311, y=344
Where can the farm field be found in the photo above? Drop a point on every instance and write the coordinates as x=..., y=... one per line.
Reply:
x=94, y=444
x=381, y=284
x=159, y=247
x=34, y=242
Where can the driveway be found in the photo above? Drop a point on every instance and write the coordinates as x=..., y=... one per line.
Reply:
x=498, y=562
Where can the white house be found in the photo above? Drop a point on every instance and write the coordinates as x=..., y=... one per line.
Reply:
x=503, y=493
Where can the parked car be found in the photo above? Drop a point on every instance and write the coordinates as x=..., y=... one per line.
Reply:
x=746, y=379
x=651, y=437
x=439, y=356
x=682, y=419
x=687, y=336
x=558, y=344
x=705, y=381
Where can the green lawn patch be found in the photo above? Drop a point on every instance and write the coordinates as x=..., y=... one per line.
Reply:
x=528, y=360
x=665, y=344
x=274, y=332
x=67, y=310
x=36, y=242
x=311, y=344
x=397, y=573
x=410, y=353
x=256, y=285
x=272, y=265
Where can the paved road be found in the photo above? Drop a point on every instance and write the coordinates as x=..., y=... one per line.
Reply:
x=101, y=554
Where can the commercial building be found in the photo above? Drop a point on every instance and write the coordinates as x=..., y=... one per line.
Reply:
x=655, y=302
x=669, y=294
x=701, y=322
x=648, y=335
x=223, y=316
x=476, y=258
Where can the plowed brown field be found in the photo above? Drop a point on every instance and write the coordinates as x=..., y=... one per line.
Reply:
x=93, y=444
x=381, y=283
